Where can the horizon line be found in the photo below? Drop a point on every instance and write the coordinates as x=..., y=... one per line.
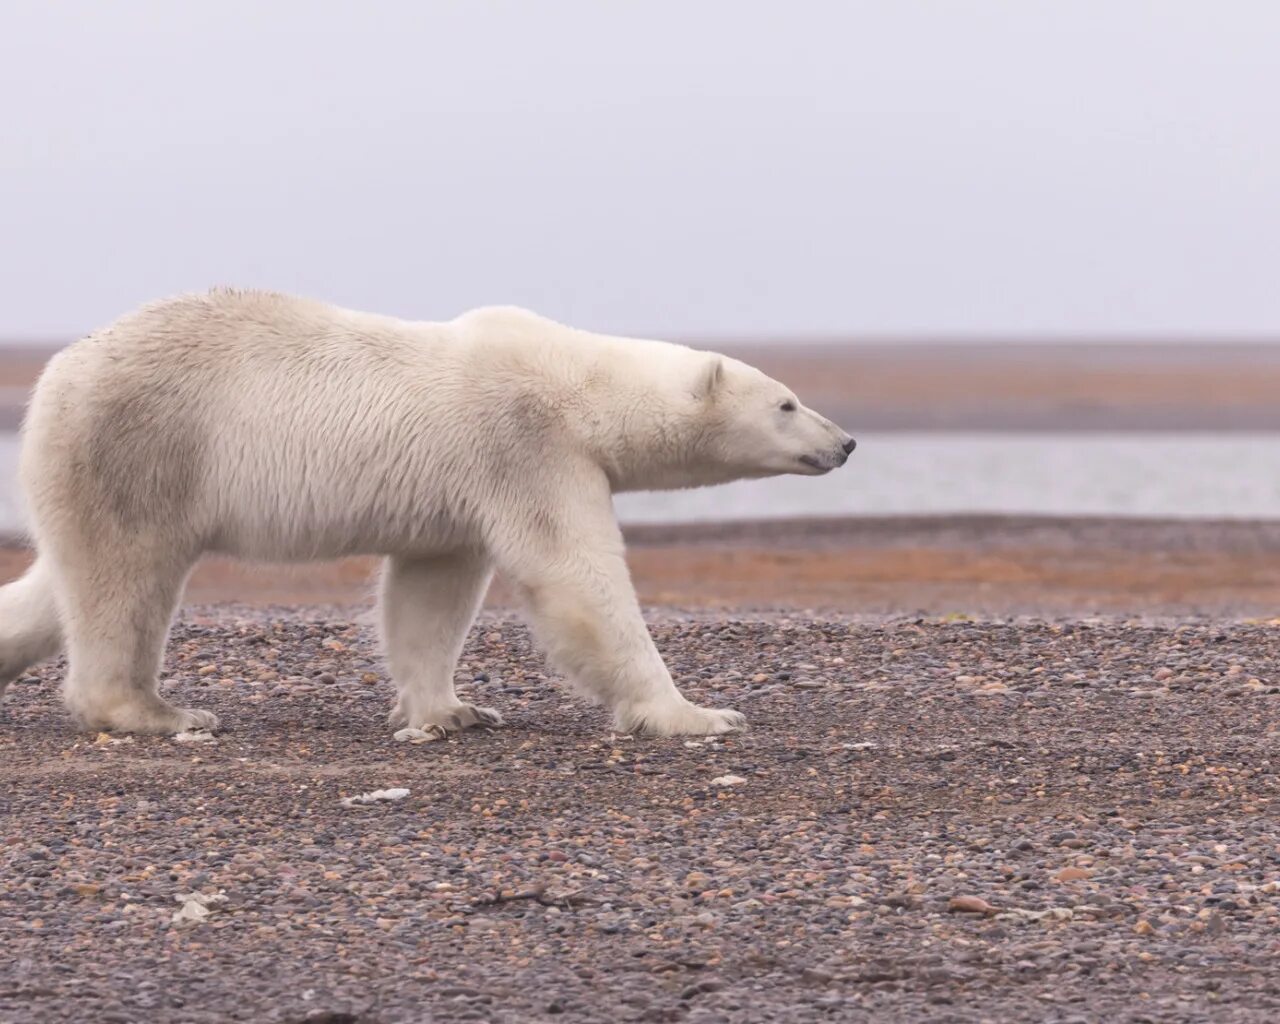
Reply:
x=867, y=338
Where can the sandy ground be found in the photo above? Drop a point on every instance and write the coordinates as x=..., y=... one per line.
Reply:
x=928, y=821
x=987, y=565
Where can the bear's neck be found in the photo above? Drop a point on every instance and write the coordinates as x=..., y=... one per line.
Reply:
x=640, y=433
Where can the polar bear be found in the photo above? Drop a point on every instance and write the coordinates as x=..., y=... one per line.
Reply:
x=275, y=428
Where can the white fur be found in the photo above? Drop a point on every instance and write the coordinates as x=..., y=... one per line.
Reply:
x=275, y=428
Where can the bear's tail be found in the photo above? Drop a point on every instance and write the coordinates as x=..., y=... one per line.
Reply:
x=29, y=628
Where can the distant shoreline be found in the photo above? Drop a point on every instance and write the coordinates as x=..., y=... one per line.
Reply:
x=998, y=386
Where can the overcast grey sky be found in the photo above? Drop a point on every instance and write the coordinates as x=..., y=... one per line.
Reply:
x=679, y=167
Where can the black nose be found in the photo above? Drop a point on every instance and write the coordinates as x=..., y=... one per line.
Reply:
x=849, y=446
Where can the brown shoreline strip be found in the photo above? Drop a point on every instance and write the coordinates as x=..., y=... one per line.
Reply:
x=934, y=565
x=971, y=384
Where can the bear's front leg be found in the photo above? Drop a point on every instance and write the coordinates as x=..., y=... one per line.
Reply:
x=584, y=610
x=427, y=605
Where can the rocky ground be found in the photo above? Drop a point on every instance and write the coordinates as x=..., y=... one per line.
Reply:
x=938, y=820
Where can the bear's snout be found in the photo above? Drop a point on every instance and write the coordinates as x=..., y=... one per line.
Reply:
x=826, y=459
x=844, y=448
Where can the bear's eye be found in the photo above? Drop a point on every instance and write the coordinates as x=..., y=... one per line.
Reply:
x=788, y=406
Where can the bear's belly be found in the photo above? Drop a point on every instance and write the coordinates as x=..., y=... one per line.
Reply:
x=294, y=534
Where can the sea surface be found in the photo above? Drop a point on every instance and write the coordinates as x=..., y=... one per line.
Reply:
x=1235, y=475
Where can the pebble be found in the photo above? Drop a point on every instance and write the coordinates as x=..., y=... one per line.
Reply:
x=195, y=736
x=970, y=905
x=196, y=907
x=413, y=735
x=377, y=796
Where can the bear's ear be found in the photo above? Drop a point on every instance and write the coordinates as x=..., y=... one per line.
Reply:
x=710, y=379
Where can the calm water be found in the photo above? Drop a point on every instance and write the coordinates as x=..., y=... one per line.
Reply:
x=1206, y=475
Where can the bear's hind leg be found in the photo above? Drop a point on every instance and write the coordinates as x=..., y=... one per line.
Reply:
x=117, y=604
x=29, y=629
x=427, y=606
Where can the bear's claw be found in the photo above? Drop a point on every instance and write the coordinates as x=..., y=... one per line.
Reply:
x=449, y=720
x=681, y=719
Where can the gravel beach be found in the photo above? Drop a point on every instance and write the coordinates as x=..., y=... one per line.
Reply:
x=930, y=819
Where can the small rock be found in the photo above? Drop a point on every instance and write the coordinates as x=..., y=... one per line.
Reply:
x=195, y=736
x=376, y=797
x=196, y=907
x=411, y=735
x=728, y=780
x=969, y=905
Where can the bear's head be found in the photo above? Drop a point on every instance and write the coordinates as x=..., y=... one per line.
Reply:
x=755, y=426
x=697, y=418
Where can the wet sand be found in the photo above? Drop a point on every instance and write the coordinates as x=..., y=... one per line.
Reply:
x=972, y=565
